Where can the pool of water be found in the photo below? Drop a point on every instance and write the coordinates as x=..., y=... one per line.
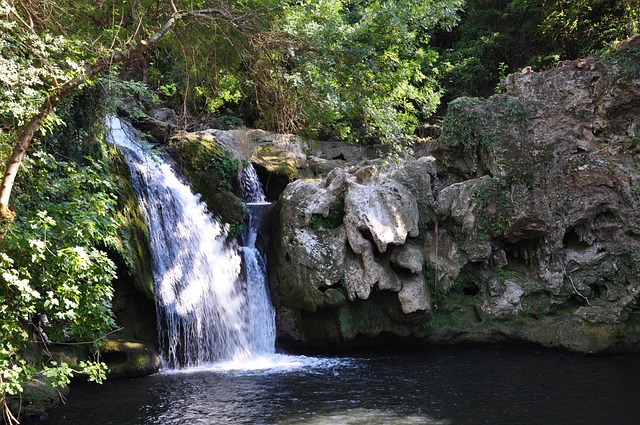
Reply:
x=454, y=385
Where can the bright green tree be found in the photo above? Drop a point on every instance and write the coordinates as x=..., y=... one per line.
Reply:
x=362, y=68
x=578, y=28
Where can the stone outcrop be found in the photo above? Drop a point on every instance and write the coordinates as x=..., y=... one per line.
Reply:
x=344, y=237
x=521, y=222
x=159, y=124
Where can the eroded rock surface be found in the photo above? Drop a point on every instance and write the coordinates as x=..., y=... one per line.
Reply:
x=522, y=222
x=343, y=237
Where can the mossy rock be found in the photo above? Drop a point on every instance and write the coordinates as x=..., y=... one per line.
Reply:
x=276, y=160
x=197, y=154
x=212, y=172
x=36, y=398
x=380, y=315
x=229, y=208
x=129, y=358
x=135, y=250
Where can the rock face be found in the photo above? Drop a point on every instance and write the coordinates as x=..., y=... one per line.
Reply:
x=521, y=222
x=342, y=239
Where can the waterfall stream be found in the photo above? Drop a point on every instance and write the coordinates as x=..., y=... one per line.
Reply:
x=207, y=312
x=262, y=326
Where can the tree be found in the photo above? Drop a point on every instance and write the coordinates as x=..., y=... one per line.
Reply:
x=358, y=70
x=583, y=27
x=363, y=68
x=60, y=90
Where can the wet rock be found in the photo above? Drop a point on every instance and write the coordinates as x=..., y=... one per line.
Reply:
x=130, y=358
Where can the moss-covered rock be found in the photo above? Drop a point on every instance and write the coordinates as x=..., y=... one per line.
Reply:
x=134, y=252
x=212, y=165
x=37, y=397
x=130, y=358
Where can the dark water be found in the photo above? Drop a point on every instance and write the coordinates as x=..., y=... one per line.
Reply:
x=478, y=385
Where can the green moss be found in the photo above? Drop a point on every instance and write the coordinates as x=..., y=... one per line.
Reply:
x=496, y=206
x=213, y=173
x=471, y=122
x=334, y=218
x=277, y=161
x=381, y=313
x=463, y=125
x=200, y=156
x=133, y=233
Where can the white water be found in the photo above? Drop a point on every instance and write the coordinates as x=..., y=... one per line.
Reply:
x=262, y=316
x=206, y=313
x=251, y=187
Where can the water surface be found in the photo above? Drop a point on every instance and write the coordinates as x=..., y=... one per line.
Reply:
x=457, y=385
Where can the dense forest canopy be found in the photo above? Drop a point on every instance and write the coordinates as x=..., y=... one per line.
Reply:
x=366, y=71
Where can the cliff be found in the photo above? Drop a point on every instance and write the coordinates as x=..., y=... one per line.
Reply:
x=521, y=222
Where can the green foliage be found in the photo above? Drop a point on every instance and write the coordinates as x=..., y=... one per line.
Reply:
x=577, y=28
x=623, y=61
x=362, y=68
x=226, y=166
x=437, y=289
x=66, y=219
x=228, y=91
x=495, y=207
x=168, y=90
x=30, y=63
x=494, y=37
x=53, y=262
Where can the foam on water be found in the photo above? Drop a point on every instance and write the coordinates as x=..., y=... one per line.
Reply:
x=364, y=417
x=270, y=363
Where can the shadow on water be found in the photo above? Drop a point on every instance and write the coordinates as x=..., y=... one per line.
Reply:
x=470, y=385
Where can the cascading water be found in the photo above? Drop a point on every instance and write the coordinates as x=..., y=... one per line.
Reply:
x=205, y=312
x=262, y=333
x=251, y=187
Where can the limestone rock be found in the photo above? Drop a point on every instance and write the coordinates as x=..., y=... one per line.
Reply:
x=413, y=295
x=506, y=302
x=350, y=233
x=407, y=256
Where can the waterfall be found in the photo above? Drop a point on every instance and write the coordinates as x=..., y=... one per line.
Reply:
x=262, y=327
x=206, y=312
x=251, y=187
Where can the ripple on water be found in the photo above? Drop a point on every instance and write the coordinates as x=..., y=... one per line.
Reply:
x=363, y=417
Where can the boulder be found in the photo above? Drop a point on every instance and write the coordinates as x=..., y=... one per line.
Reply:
x=342, y=239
